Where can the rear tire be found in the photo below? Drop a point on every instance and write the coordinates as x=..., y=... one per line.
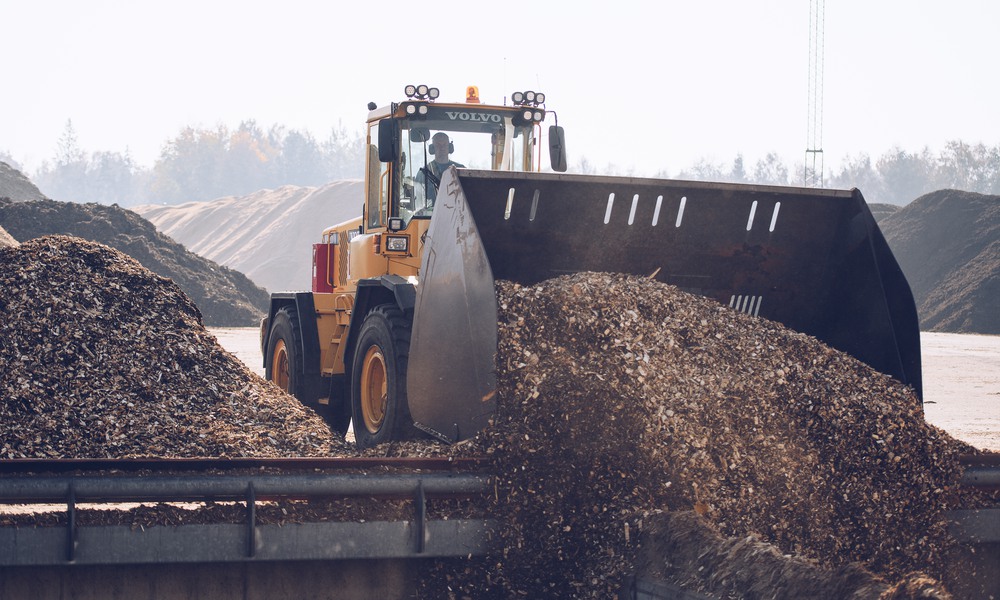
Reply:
x=284, y=353
x=378, y=378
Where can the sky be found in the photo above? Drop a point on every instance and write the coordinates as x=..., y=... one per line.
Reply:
x=639, y=86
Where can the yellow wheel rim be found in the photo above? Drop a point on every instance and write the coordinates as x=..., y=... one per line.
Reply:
x=374, y=389
x=279, y=365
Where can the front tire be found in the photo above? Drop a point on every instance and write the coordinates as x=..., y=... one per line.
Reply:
x=284, y=353
x=378, y=378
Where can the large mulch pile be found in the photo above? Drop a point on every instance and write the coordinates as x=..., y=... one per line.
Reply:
x=623, y=399
x=948, y=245
x=101, y=358
x=226, y=298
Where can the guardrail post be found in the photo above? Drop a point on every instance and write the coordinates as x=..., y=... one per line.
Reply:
x=71, y=523
x=421, y=517
x=251, y=521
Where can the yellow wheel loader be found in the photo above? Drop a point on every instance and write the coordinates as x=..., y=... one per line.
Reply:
x=399, y=332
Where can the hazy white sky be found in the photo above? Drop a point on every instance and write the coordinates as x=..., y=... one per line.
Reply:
x=637, y=84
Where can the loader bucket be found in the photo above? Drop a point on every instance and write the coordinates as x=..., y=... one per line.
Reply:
x=811, y=259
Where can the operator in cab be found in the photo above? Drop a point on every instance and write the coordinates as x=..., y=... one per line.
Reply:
x=430, y=176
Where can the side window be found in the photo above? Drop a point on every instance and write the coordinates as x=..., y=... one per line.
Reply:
x=379, y=189
x=415, y=197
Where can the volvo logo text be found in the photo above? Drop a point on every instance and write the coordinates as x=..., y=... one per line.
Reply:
x=474, y=117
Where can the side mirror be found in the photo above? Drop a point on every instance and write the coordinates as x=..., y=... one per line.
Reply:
x=388, y=140
x=557, y=148
x=419, y=134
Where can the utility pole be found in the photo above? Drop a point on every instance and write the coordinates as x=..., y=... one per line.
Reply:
x=813, y=170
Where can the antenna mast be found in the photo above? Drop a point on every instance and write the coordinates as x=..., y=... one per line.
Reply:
x=813, y=170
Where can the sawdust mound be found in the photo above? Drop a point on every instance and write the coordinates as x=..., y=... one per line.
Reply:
x=621, y=398
x=252, y=233
x=101, y=358
x=7, y=239
x=17, y=187
x=948, y=246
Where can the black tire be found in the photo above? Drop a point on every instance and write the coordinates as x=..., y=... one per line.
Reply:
x=284, y=349
x=378, y=378
x=338, y=413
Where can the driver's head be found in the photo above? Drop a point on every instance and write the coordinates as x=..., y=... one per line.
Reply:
x=440, y=144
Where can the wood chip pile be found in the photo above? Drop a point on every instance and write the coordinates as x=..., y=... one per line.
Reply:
x=623, y=403
x=101, y=358
x=621, y=398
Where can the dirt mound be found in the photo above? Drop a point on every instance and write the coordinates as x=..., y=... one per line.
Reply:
x=7, y=239
x=17, y=187
x=267, y=235
x=100, y=358
x=621, y=398
x=225, y=297
x=881, y=211
x=948, y=245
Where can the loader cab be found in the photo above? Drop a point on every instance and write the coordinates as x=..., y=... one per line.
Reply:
x=411, y=144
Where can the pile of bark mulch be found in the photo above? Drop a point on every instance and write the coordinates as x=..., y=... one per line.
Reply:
x=226, y=298
x=101, y=358
x=948, y=245
x=621, y=399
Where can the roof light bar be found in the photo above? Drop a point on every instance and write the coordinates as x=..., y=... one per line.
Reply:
x=421, y=92
x=528, y=98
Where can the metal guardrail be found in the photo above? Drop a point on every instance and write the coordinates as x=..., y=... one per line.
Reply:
x=984, y=477
x=417, y=536
x=178, y=488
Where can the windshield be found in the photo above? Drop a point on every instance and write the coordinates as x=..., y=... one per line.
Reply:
x=428, y=147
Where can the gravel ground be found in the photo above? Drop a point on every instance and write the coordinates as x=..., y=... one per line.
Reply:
x=962, y=386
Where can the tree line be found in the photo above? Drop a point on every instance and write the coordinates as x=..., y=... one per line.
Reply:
x=201, y=164
x=895, y=177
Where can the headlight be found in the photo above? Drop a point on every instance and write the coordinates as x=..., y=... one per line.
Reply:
x=517, y=97
x=410, y=91
x=422, y=90
x=411, y=109
x=397, y=243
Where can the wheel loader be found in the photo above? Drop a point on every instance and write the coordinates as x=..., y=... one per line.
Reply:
x=399, y=331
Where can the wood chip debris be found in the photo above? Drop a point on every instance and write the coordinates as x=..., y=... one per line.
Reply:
x=621, y=402
x=100, y=358
x=621, y=398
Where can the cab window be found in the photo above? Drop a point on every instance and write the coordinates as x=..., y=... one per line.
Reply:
x=378, y=191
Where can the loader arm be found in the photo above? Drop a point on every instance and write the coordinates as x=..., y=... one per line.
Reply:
x=811, y=259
